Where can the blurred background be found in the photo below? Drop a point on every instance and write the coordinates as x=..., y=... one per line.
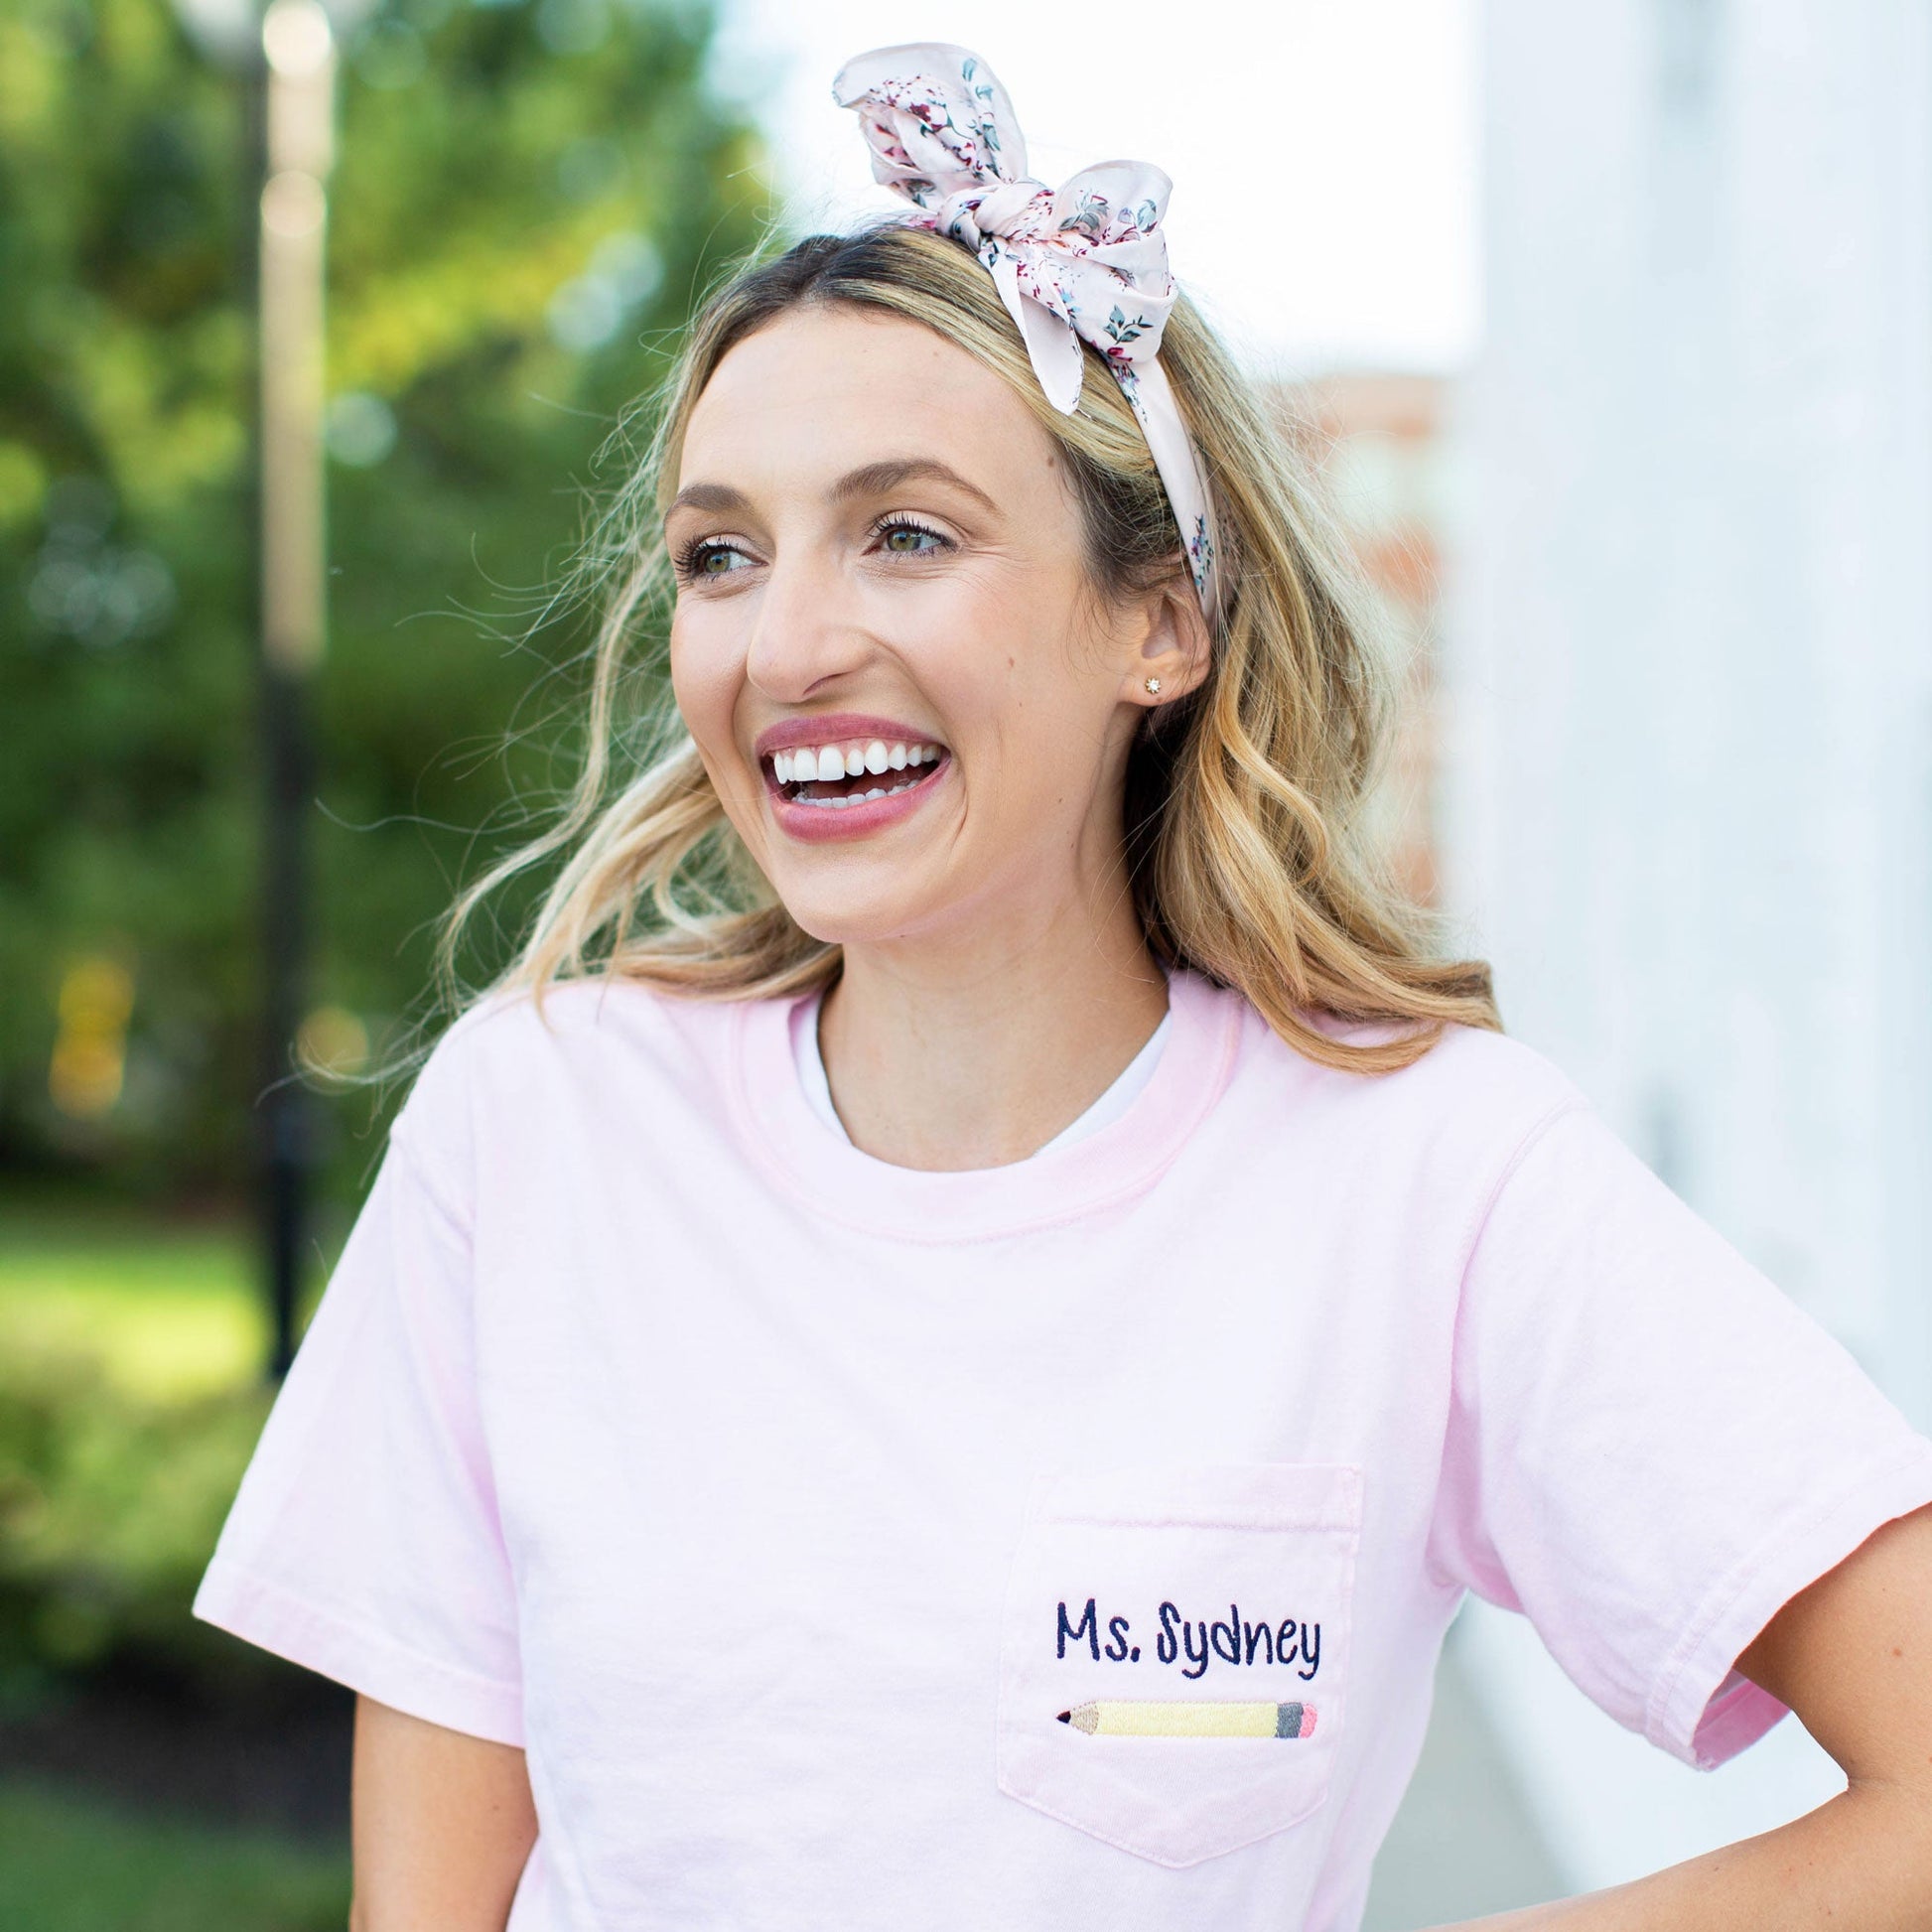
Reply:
x=1609, y=329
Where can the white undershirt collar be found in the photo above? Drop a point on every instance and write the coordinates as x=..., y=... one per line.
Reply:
x=1109, y=1107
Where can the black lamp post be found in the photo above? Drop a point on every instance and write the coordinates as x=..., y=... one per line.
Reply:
x=285, y=58
x=300, y=58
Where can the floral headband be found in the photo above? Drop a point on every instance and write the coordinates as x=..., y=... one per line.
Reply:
x=1086, y=263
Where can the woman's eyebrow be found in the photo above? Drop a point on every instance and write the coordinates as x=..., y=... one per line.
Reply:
x=708, y=496
x=869, y=480
x=880, y=479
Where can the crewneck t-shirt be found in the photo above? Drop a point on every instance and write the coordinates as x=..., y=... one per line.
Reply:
x=1109, y=1106
x=1064, y=1545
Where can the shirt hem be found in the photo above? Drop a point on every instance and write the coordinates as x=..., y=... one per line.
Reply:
x=273, y=1618
x=1693, y=1715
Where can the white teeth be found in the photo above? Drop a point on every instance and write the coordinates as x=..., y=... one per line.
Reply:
x=839, y=801
x=807, y=764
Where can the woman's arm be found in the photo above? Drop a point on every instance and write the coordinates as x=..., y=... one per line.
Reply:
x=1851, y=1655
x=441, y=1825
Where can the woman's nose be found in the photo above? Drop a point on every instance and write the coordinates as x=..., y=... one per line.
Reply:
x=805, y=633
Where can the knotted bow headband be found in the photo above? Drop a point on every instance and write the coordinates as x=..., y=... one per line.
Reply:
x=1084, y=263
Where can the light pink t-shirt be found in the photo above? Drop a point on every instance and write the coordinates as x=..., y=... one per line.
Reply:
x=778, y=1501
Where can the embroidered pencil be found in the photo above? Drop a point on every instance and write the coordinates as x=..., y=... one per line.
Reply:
x=1189, y=1718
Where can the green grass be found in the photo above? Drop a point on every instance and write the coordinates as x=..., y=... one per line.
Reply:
x=171, y=1313
x=66, y=1866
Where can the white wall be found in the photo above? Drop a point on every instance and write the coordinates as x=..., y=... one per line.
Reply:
x=1689, y=810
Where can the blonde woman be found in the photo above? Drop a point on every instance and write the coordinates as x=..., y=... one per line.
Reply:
x=943, y=1351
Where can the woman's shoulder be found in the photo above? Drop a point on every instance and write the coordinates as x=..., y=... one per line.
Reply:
x=1470, y=1082
x=526, y=1049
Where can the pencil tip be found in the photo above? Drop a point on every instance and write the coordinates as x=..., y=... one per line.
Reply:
x=1066, y=1717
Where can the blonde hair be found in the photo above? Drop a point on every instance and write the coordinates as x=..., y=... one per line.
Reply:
x=1249, y=847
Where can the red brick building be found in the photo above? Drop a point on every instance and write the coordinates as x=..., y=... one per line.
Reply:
x=1376, y=443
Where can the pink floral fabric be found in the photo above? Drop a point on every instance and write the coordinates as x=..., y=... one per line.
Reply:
x=1084, y=262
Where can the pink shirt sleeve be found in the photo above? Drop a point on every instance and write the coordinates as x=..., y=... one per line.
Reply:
x=363, y=1542
x=1650, y=1448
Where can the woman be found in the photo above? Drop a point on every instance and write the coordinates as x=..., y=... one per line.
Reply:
x=945, y=1347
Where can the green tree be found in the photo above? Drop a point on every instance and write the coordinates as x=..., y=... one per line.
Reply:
x=527, y=198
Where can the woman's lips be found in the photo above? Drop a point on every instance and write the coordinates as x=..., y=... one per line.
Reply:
x=859, y=814
x=846, y=729
x=846, y=774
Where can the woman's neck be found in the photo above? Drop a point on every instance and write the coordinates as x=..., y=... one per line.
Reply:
x=975, y=1055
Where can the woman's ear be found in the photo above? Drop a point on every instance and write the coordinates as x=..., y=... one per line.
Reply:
x=1177, y=649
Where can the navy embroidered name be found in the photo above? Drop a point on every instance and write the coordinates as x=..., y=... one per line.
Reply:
x=1193, y=1643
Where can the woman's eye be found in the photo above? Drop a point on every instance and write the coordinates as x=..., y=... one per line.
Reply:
x=714, y=560
x=910, y=539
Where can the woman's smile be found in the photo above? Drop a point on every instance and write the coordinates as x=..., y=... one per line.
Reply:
x=845, y=776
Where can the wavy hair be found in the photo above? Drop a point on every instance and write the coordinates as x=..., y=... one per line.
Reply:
x=1251, y=851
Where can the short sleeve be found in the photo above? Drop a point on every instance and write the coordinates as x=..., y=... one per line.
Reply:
x=1650, y=1448
x=364, y=1542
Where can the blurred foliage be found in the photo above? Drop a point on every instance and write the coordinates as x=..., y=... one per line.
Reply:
x=527, y=198
x=110, y=1503
x=71, y=1867
x=131, y=1398
x=114, y=1482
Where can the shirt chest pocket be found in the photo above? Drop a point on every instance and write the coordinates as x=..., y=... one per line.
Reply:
x=1173, y=1666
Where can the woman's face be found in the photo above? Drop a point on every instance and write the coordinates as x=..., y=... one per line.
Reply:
x=912, y=707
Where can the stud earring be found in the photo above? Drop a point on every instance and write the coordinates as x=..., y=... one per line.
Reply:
x=1153, y=687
